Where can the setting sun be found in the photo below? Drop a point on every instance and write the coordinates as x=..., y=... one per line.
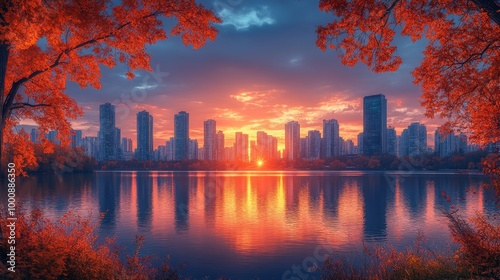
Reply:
x=260, y=163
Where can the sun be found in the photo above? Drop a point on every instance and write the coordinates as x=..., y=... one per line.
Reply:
x=260, y=163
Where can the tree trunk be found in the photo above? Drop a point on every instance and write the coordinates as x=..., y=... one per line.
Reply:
x=4, y=56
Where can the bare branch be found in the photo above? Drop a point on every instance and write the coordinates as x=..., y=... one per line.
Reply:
x=20, y=105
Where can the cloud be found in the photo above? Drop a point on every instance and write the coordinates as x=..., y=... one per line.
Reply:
x=245, y=17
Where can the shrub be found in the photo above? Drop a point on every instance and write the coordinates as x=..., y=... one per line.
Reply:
x=68, y=248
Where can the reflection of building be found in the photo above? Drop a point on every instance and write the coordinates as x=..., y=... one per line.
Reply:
x=144, y=136
x=374, y=189
x=209, y=140
x=181, y=196
x=374, y=124
x=292, y=140
x=181, y=135
x=331, y=138
x=109, y=197
x=144, y=186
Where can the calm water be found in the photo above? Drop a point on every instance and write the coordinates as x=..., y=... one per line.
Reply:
x=259, y=224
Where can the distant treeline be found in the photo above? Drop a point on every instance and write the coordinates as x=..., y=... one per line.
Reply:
x=350, y=162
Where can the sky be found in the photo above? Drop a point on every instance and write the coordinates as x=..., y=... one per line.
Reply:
x=262, y=71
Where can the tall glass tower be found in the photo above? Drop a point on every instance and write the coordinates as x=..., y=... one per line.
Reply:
x=292, y=140
x=144, y=136
x=374, y=124
x=109, y=135
x=181, y=135
x=210, y=140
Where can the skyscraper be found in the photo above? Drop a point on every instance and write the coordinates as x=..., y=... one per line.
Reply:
x=313, y=144
x=35, y=135
x=220, y=146
x=391, y=141
x=331, y=138
x=374, y=124
x=360, y=143
x=292, y=140
x=181, y=135
x=109, y=148
x=209, y=140
x=241, y=147
x=446, y=145
x=193, y=149
x=417, y=139
x=144, y=136
x=76, y=138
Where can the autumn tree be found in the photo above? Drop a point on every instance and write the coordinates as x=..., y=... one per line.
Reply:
x=459, y=77
x=45, y=43
x=460, y=72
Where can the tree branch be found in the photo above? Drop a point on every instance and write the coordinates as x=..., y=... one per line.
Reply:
x=20, y=105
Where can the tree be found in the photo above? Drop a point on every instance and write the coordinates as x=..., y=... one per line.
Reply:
x=44, y=43
x=460, y=72
x=459, y=77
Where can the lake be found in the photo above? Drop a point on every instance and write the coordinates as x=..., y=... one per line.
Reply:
x=271, y=225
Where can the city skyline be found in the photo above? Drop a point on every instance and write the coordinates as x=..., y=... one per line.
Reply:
x=253, y=89
x=382, y=139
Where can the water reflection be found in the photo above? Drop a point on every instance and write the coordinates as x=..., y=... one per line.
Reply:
x=258, y=219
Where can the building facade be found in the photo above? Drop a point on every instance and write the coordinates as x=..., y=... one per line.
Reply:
x=374, y=124
x=181, y=135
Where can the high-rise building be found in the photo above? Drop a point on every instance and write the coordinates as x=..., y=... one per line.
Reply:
x=374, y=124
x=181, y=135
x=126, y=148
x=144, y=136
x=193, y=149
x=331, y=138
x=35, y=135
x=342, y=146
x=313, y=144
x=391, y=141
x=91, y=146
x=360, y=143
x=265, y=147
x=413, y=140
x=241, y=147
x=220, y=146
x=170, y=144
x=417, y=139
x=209, y=140
x=446, y=145
x=349, y=147
x=109, y=140
x=292, y=140
x=76, y=138
x=126, y=145
x=52, y=137
x=303, y=148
